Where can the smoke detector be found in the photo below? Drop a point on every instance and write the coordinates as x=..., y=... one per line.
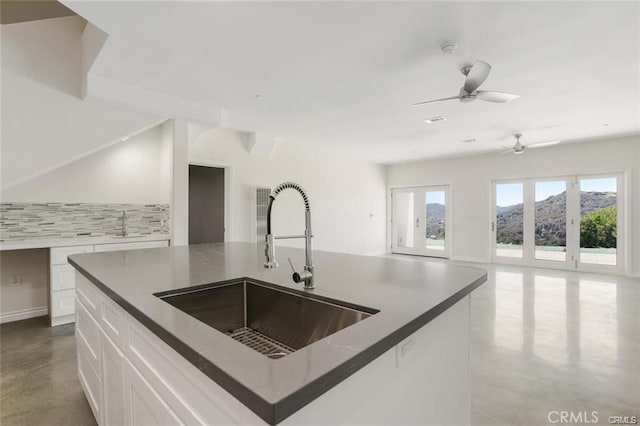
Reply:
x=448, y=48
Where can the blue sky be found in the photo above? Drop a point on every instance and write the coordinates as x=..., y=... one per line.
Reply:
x=435, y=197
x=508, y=194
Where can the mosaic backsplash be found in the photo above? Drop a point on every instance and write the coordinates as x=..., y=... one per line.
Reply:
x=28, y=221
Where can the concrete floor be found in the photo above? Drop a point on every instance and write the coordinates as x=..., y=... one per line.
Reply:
x=38, y=379
x=543, y=341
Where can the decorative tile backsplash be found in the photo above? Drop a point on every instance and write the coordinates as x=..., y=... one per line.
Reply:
x=28, y=221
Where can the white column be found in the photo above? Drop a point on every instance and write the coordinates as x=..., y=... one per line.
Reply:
x=180, y=183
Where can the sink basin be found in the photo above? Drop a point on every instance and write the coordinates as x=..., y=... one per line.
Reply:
x=267, y=318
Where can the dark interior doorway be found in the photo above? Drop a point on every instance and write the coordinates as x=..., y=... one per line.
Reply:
x=206, y=204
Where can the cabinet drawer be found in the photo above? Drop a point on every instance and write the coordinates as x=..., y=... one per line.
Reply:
x=63, y=277
x=89, y=295
x=131, y=246
x=59, y=254
x=63, y=302
x=112, y=321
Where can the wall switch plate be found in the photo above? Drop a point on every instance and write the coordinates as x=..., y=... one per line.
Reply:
x=16, y=280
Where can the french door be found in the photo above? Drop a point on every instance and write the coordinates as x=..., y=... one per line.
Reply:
x=571, y=222
x=420, y=221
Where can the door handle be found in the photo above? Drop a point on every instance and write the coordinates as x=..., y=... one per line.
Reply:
x=417, y=222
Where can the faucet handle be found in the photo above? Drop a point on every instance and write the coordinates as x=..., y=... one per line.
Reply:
x=304, y=275
x=293, y=269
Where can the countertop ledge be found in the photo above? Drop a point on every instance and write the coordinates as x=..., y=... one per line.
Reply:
x=408, y=294
x=80, y=241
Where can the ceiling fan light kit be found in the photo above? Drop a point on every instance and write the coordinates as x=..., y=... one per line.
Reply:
x=475, y=75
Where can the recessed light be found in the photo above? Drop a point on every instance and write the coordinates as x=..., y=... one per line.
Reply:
x=469, y=140
x=435, y=119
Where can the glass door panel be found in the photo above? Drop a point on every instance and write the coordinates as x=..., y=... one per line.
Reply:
x=509, y=220
x=599, y=221
x=404, y=220
x=435, y=220
x=419, y=222
x=550, y=220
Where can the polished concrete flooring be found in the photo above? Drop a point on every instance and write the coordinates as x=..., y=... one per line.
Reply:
x=547, y=341
x=38, y=379
x=543, y=342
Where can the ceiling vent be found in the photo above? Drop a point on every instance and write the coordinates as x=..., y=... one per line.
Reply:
x=435, y=119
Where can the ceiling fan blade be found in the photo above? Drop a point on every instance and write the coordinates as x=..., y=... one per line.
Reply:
x=542, y=144
x=491, y=96
x=437, y=100
x=477, y=75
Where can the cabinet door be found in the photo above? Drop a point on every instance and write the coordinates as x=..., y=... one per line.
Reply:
x=88, y=376
x=112, y=383
x=143, y=406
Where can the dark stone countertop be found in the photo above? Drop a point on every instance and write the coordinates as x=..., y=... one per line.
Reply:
x=407, y=293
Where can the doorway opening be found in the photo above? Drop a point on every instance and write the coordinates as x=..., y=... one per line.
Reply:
x=206, y=204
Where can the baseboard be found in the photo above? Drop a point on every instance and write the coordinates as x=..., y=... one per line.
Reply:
x=23, y=314
x=469, y=259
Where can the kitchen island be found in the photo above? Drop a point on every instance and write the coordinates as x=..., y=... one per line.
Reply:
x=143, y=360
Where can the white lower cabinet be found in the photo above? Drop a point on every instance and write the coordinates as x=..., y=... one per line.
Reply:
x=143, y=406
x=113, y=388
x=130, y=377
x=62, y=275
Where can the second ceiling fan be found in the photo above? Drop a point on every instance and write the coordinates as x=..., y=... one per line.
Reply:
x=475, y=75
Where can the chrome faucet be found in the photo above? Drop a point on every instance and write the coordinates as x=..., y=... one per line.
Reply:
x=305, y=275
x=124, y=223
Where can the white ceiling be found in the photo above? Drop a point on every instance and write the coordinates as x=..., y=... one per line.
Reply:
x=345, y=74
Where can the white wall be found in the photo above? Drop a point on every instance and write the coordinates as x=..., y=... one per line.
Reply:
x=470, y=179
x=347, y=196
x=45, y=124
x=31, y=295
x=137, y=170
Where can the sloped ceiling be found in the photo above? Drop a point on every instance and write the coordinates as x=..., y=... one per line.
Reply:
x=15, y=11
x=344, y=74
x=45, y=123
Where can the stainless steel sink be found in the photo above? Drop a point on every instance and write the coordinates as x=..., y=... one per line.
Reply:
x=265, y=317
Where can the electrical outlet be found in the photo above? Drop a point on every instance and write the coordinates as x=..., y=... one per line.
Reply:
x=16, y=280
x=403, y=350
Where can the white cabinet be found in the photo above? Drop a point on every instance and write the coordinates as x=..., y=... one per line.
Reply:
x=62, y=275
x=131, y=377
x=62, y=306
x=88, y=358
x=143, y=405
x=113, y=390
x=62, y=283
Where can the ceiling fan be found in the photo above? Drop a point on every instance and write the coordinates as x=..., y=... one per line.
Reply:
x=518, y=148
x=475, y=75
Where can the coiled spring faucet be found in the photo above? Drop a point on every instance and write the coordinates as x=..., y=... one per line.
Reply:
x=305, y=275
